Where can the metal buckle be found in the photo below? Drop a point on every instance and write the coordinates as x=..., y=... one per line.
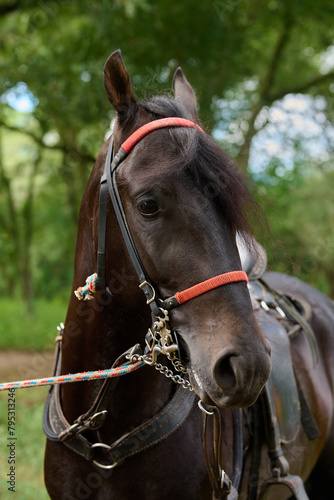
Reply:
x=91, y=420
x=142, y=285
x=66, y=432
x=79, y=427
x=264, y=305
x=280, y=311
x=107, y=447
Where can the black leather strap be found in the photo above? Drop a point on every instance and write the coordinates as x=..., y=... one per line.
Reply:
x=159, y=427
x=102, y=231
x=101, y=252
x=293, y=315
x=237, y=448
x=212, y=446
x=164, y=423
x=111, y=165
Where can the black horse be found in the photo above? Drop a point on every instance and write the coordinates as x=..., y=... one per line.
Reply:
x=181, y=203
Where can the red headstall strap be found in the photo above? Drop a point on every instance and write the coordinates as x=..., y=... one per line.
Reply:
x=211, y=284
x=134, y=138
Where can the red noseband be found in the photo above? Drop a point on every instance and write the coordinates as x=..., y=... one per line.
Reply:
x=211, y=284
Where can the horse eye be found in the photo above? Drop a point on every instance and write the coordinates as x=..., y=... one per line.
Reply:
x=148, y=207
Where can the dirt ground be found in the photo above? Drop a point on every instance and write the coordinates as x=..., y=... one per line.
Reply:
x=25, y=365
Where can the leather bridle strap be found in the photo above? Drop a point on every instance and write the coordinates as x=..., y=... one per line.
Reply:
x=109, y=179
x=144, y=282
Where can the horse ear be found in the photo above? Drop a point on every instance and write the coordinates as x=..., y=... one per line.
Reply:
x=118, y=85
x=184, y=94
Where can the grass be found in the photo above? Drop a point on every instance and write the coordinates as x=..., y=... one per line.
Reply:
x=21, y=330
x=29, y=445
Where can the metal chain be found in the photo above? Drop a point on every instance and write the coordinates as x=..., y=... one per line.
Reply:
x=178, y=365
x=176, y=378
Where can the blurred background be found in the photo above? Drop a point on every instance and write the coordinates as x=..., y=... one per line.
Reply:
x=263, y=72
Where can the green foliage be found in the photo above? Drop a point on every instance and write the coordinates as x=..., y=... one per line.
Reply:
x=36, y=330
x=29, y=445
x=225, y=43
x=241, y=56
x=300, y=212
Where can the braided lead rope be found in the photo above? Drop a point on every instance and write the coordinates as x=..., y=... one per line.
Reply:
x=73, y=377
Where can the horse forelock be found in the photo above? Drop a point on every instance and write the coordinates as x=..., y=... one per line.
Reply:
x=215, y=174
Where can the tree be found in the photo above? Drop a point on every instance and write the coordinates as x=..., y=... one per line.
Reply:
x=277, y=45
x=242, y=57
x=27, y=194
x=301, y=211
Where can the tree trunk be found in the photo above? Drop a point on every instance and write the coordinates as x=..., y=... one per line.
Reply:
x=27, y=237
x=11, y=269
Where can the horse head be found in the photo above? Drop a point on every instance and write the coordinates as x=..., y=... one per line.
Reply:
x=184, y=202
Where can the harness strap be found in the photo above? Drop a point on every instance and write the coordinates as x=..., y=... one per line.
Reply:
x=292, y=314
x=278, y=464
x=237, y=448
x=102, y=230
x=160, y=426
x=163, y=424
x=223, y=488
x=212, y=446
x=110, y=170
x=130, y=143
x=255, y=450
x=308, y=422
x=210, y=284
x=92, y=419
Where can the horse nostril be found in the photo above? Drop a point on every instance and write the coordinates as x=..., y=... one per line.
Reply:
x=223, y=371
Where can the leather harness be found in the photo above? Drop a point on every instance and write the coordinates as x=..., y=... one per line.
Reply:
x=57, y=428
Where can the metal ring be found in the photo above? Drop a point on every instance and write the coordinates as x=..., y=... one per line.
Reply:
x=146, y=283
x=201, y=407
x=107, y=447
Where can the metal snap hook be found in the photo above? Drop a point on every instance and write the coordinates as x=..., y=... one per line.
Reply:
x=147, y=287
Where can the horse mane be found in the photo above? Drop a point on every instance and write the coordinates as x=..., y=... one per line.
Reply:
x=216, y=175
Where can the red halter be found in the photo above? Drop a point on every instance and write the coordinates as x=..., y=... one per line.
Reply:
x=147, y=287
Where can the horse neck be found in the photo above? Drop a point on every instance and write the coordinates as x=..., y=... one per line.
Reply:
x=97, y=332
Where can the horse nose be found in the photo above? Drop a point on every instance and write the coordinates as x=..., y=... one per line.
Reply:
x=224, y=369
x=237, y=373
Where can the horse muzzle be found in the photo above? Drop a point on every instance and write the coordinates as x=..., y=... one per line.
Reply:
x=232, y=379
